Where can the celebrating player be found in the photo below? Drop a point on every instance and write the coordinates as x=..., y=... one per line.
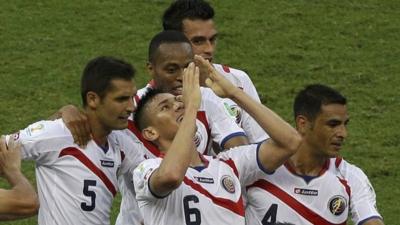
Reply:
x=315, y=186
x=21, y=200
x=77, y=185
x=187, y=188
x=169, y=53
x=195, y=18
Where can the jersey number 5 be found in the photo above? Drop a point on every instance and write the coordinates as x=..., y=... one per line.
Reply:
x=86, y=184
x=192, y=215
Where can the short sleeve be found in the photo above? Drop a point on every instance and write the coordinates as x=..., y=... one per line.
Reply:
x=222, y=126
x=363, y=197
x=43, y=140
x=246, y=163
x=141, y=178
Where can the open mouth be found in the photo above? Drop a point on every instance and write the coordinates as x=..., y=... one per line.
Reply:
x=337, y=145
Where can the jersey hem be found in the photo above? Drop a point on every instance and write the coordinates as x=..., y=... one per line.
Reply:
x=259, y=163
x=369, y=218
x=236, y=134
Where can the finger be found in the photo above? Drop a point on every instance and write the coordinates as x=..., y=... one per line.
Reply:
x=179, y=98
x=3, y=146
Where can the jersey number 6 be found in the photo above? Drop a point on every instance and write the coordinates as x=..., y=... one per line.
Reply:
x=192, y=215
x=89, y=193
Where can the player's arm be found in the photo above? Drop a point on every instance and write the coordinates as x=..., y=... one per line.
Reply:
x=284, y=140
x=21, y=200
x=169, y=175
x=374, y=221
x=76, y=121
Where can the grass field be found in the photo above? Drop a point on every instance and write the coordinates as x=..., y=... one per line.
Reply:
x=283, y=45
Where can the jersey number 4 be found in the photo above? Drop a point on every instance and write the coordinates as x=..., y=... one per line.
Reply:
x=270, y=215
x=86, y=185
x=192, y=215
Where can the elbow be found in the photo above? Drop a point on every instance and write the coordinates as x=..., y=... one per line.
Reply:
x=32, y=206
x=172, y=180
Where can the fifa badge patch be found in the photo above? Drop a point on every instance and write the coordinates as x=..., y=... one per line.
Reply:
x=337, y=205
x=228, y=184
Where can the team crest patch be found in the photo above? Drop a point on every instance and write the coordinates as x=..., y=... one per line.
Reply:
x=234, y=111
x=228, y=184
x=197, y=139
x=337, y=205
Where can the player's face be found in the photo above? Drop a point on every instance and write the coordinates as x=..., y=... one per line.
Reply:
x=117, y=105
x=168, y=66
x=203, y=36
x=327, y=133
x=166, y=113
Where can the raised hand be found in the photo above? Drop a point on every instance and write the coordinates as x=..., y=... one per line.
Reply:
x=215, y=81
x=191, y=88
x=10, y=156
x=77, y=123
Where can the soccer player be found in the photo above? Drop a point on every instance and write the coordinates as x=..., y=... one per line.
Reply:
x=185, y=187
x=21, y=200
x=315, y=186
x=169, y=53
x=195, y=18
x=77, y=185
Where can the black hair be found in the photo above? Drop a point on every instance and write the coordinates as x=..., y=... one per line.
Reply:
x=99, y=73
x=309, y=101
x=163, y=37
x=141, y=118
x=186, y=9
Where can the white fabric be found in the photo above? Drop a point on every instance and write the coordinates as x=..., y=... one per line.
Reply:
x=69, y=191
x=241, y=80
x=264, y=204
x=195, y=199
x=218, y=127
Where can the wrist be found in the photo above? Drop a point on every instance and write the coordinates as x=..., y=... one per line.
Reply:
x=12, y=176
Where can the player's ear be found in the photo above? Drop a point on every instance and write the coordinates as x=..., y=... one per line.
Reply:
x=301, y=124
x=92, y=99
x=150, y=133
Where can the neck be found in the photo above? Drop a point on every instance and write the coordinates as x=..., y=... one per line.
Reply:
x=195, y=157
x=99, y=132
x=306, y=162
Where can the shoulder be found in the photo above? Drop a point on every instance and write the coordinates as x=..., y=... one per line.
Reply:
x=229, y=71
x=46, y=129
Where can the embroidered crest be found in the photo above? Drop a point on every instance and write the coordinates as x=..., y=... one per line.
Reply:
x=228, y=184
x=337, y=205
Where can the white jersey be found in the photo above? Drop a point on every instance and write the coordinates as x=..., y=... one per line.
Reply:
x=241, y=80
x=285, y=197
x=209, y=194
x=75, y=186
x=213, y=124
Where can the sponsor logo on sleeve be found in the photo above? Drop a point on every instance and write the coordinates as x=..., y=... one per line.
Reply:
x=107, y=163
x=302, y=191
x=207, y=180
x=337, y=205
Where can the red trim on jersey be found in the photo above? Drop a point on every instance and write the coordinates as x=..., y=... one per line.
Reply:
x=291, y=169
x=226, y=68
x=297, y=206
x=150, y=146
x=122, y=155
x=232, y=165
x=338, y=160
x=236, y=207
x=346, y=186
x=74, y=152
x=201, y=116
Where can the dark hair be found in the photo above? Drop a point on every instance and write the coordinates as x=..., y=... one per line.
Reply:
x=141, y=117
x=308, y=101
x=186, y=9
x=163, y=37
x=99, y=73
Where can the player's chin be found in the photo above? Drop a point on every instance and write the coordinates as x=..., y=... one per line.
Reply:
x=121, y=124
